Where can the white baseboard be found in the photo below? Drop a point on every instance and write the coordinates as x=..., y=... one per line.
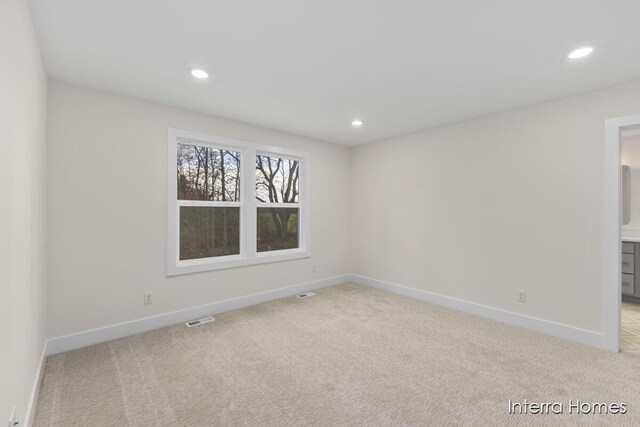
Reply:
x=35, y=390
x=583, y=336
x=120, y=330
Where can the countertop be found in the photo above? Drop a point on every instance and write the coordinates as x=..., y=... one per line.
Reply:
x=630, y=235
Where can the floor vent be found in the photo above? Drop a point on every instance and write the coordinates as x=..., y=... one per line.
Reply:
x=306, y=295
x=200, y=321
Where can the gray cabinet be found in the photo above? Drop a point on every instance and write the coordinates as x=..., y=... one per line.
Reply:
x=628, y=285
x=628, y=261
x=631, y=271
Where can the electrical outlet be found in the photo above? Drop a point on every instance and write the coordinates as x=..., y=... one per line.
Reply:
x=12, y=419
x=313, y=268
x=522, y=295
x=147, y=298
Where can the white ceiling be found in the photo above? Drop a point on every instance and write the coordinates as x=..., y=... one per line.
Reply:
x=312, y=66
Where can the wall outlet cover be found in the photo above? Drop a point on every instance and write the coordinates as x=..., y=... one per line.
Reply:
x=522, y=295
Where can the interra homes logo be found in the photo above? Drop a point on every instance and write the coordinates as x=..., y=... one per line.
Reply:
x=572, y=407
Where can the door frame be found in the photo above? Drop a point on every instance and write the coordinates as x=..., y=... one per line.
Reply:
x=612, y=225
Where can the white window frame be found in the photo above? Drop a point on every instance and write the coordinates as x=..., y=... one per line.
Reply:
x=248, y=205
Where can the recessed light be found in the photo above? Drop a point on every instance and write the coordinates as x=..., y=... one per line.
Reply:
x=581, y=52
x=356, y=123
x=199, y=73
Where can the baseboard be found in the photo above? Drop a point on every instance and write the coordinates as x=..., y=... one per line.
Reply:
x=583, y=336
x=35, y=390
x=120, y=330
x=107, y=333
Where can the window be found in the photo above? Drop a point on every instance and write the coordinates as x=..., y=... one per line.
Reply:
x=277, y=192
x=233, y=203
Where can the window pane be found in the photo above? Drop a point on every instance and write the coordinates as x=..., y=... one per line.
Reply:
x=206, y=173
x=209, y=232
x=277, y=228
x=277, y=179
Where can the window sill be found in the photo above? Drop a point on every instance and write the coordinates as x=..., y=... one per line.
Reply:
x=233, y=261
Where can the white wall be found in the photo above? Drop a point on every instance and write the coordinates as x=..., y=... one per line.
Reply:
x=631, y=157
x=480, y=209
x=107, y=212
x=22, y=194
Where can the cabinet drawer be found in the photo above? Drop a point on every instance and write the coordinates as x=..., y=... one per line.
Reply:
x=627, y=263
x=628, y=248
x=627, y=284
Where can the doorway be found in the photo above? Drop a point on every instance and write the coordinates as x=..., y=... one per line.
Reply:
x=630, y=234
x=612, y=238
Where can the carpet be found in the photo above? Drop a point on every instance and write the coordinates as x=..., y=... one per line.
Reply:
x=351, y=355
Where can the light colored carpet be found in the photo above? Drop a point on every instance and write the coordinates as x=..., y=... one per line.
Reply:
x=351, y=355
